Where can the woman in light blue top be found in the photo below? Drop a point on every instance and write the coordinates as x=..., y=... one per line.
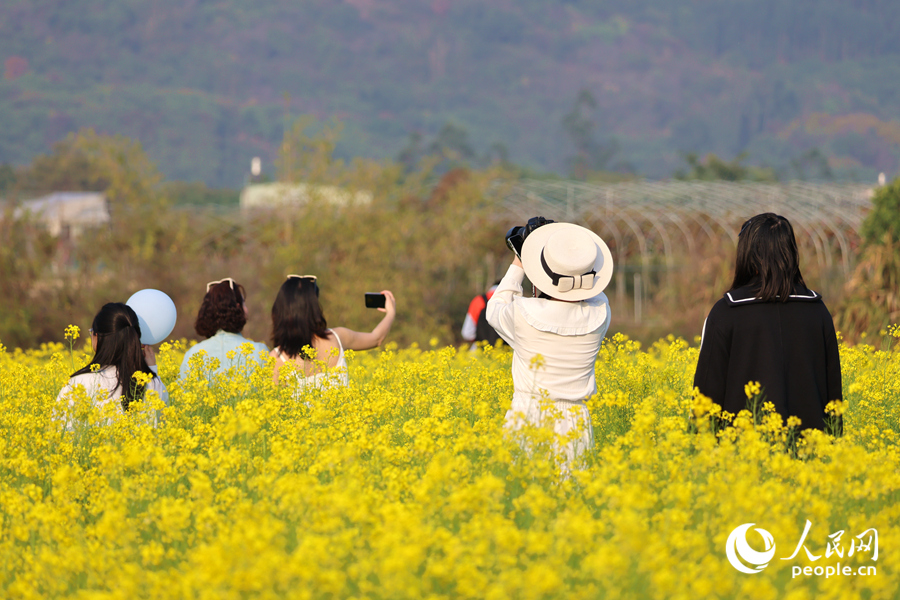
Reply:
x=221, y=319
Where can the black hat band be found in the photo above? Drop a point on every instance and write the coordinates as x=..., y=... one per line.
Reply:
x=567, y=283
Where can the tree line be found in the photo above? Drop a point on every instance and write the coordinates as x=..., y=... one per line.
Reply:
x=434, y=237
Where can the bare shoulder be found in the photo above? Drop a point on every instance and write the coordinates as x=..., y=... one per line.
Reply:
x=341, y=332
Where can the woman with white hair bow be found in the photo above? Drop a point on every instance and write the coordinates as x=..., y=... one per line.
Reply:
x=564, y=325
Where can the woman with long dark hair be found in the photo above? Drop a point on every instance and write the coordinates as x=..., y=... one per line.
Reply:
x=118, y=355
x=772, y=329
x=221, y=320
x=301, y=335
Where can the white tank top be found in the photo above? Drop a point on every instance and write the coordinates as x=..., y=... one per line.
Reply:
x=333, y=376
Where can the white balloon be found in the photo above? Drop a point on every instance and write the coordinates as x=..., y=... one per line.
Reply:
x=156, y=314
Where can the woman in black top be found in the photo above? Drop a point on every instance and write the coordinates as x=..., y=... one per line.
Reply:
x=769, y=327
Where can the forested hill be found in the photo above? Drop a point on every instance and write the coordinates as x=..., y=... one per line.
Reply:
x=207, y=84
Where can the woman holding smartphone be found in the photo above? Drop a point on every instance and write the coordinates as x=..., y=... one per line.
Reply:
x=298, y=322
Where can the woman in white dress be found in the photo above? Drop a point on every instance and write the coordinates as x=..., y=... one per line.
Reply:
x=118, y=355
x=298, y=323
x=555, y=335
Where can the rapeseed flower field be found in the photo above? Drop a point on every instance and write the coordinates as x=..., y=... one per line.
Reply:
x=404, y=485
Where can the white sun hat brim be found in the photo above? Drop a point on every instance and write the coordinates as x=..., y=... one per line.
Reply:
x=534, y=270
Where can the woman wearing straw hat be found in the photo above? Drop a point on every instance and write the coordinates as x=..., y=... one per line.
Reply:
x=555, y=336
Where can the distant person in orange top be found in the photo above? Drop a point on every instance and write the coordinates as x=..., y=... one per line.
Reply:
x=476, y=328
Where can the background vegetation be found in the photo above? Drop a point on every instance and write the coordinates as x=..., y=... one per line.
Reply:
x=419, y=239
x=433, y=234
x=872, y=295
x=206, y=86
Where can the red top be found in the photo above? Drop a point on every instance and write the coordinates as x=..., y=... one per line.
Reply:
x=477, y=305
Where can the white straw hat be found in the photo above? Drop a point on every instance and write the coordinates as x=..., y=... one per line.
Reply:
x=567, y=261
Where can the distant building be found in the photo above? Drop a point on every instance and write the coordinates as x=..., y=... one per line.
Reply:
x=67, y=214
x=273, y=195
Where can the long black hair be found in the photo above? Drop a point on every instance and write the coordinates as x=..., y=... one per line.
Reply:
x=297, y=316
x=119, y=345
x=767, y=258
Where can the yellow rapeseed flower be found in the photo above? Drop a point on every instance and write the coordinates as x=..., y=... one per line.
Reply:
x=752, y=389
x=407, y=484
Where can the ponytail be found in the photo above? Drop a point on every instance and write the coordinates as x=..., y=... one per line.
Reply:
x=119, y=345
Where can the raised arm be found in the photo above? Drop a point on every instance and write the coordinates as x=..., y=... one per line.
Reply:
x=361, y=340
x=500, y=309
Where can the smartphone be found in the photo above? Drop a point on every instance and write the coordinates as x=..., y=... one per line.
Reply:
x=374, y=300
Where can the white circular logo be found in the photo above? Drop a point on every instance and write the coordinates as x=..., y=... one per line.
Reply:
x=737, y=546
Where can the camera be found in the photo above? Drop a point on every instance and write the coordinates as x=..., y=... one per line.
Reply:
x=515, y=237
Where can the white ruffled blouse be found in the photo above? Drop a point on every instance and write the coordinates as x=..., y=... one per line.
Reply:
x=566, y=335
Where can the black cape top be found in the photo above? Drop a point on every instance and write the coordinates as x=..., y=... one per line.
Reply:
x=790, y=348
